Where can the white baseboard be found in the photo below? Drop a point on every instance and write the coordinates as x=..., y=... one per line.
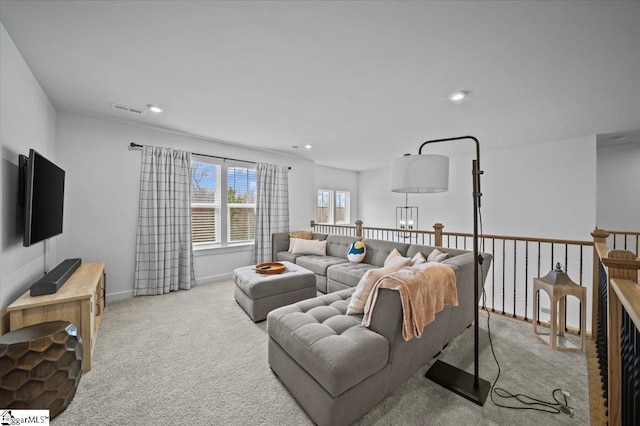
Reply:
x=214, y=278
x=128, y=294
x=120, y=295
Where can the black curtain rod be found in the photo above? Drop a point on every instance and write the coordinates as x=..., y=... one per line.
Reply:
x=135, y=145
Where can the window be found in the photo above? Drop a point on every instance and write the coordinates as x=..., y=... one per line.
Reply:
x=241, y=203
x=325, y=207
x=333, y=207
x=342, y=215
x=205, y=203
x=217, y=220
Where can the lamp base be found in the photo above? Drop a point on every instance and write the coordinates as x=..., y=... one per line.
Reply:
x=459, y=381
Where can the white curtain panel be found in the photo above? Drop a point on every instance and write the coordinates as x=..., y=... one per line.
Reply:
x=164, y=253
x=272, y=208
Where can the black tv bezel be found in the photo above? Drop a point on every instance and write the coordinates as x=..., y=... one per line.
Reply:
x=26, y=171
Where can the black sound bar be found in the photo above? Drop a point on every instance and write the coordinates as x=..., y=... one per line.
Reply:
x=52, y=282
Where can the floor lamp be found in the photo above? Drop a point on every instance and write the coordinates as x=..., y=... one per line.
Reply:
x=430, y=174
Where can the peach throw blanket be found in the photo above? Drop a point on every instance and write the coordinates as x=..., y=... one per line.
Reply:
x=424, y=290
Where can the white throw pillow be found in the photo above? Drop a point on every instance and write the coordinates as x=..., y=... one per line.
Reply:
x=292, y=242
x=396, y=259
x=317, y=247
x=418, y=259
x=437, y=256
x=364, y=287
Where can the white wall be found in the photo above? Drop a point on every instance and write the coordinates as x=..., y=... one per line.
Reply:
x=540, y=190
x=618, y=189
x=27, y=121
x=339, y=180
x=102, y=187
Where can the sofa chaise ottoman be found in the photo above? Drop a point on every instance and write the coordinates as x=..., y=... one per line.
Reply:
x=258, y=293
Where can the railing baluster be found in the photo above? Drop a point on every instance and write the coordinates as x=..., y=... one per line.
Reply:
x=580, y=331
x=526, y=278
x=566, y=268
x=504, y=262
x=539, y=260
x=493, y=278
x=515, y=249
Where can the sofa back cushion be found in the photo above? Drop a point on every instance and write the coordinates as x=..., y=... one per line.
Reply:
x=426, y=250
x=337, y=245
x=378, y=250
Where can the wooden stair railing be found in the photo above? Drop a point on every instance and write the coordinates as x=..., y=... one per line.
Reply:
x=615, y=397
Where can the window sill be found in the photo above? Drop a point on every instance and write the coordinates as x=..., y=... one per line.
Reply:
x=208, y=250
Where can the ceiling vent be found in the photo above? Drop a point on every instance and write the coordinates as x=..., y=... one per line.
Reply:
x=127, y=109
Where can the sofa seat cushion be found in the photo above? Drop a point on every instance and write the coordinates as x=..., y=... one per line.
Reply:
x=331, y=346
x=348, y=273
x=286, y=256
x=319, y=264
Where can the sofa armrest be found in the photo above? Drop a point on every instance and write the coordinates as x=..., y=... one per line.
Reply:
x=387, y=315
x=279, y=242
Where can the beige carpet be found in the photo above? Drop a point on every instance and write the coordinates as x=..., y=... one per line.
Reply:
x=194, y=357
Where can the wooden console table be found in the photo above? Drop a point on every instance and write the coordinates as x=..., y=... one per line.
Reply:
x=80, y=301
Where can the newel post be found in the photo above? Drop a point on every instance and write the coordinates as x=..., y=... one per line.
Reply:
x=358, y=228
x=313, y=225
x=599, y=237
x=438, y=238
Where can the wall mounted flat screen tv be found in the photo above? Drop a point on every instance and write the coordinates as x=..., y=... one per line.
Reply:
x=43, y=185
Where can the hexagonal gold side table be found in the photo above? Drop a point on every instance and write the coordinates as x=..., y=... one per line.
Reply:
x=40, y=367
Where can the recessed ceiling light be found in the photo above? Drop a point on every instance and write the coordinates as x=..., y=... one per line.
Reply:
x=154, y=108
x=308, y=146
x=458, y=96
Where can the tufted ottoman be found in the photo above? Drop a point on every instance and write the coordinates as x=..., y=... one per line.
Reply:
x=327, y=358
x=258, y=294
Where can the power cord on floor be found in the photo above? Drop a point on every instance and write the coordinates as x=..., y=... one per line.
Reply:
x=528, y=402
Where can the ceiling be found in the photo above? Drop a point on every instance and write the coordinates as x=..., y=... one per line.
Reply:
x=363, y=82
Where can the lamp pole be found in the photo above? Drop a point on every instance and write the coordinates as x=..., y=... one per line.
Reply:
x=459, y=381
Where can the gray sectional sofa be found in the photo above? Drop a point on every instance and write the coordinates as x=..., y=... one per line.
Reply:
x=335, y=367
x=333, y=271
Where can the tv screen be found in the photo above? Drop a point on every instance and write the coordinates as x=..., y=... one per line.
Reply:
x=44, y=199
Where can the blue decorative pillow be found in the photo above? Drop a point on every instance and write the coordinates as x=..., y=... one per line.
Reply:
x=356, y=252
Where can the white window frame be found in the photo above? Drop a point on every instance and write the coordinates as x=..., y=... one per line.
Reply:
x=332, y=196
x=329, y=207
x=347, y=207
x=222, y=233
x=250, y=166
